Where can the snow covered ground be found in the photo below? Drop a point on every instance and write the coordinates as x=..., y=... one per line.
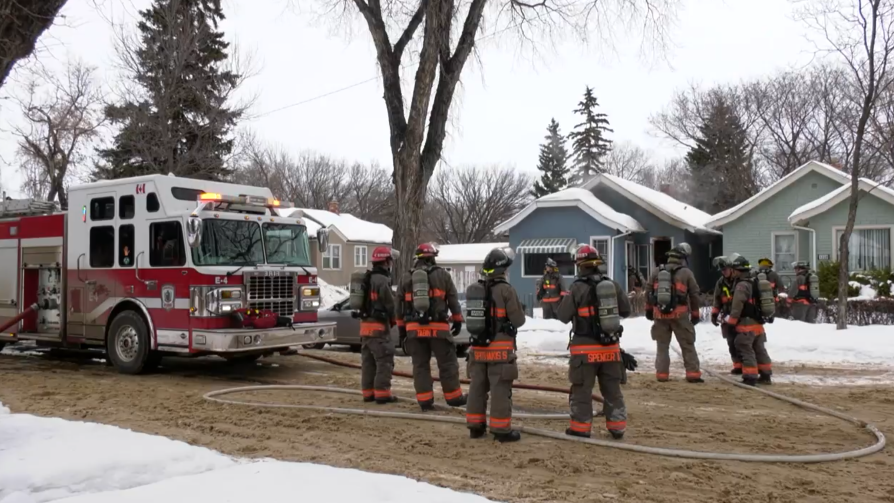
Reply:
x=50, y=459
x=789, y=343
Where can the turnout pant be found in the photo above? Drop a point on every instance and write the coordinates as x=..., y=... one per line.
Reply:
x=755, y=359
x=496, y=379
x=421, y=349
x=550, y=309
x=804, y=312
x=729, y=333
x=376, y=365
x=583, y=372
x=684, y=331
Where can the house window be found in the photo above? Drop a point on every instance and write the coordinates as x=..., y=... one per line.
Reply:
x=534, y=263
x=332, y=257
x=785, y=251
x=602, y=243
x=360, y=256
x=868, y=248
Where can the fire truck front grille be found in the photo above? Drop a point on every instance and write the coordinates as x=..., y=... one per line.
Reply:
x=273, y=293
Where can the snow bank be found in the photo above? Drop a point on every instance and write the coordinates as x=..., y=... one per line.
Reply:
x=330, y=295
x=789, y=342
x=49, y=459
x=472, y=253
x=867, y=292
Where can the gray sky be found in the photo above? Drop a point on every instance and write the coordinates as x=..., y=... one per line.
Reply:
x=507, y=97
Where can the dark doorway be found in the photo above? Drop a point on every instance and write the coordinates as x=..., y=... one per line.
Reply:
x=660, y=247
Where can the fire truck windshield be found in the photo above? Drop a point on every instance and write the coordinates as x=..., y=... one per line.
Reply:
x=229, y=242
x=287, y=244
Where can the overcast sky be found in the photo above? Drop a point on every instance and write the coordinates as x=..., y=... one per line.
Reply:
x=507, y=97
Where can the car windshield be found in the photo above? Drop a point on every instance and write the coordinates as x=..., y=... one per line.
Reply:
x=287, y=244
x=229, y=242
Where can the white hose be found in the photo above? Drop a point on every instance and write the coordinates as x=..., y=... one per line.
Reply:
x=660, y=451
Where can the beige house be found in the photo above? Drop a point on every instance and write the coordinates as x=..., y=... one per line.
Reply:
x=464, y=262
x=351, y=242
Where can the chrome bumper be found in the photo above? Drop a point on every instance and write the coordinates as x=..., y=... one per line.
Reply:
x=238, y=340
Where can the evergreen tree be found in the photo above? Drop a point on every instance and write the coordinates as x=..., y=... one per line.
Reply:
x=178, y=122
x=553, y=156
x=719, y=163
x=589, y=143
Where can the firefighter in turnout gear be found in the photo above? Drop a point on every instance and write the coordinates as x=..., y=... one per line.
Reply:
x=803, y=293
x=765, y=266
x=376, y=321
x=596, y=305
x=492, y=366
x=745, y=315
x=723, y=297
x=635, y=279
x=424, y=299
x=551, y=291
x=672, y=303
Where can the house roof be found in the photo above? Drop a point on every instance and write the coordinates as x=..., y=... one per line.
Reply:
x=580, y=198
x=725, y=217
x=663, y=206
x=837, y=196
x=470, y=253
x=348, y=227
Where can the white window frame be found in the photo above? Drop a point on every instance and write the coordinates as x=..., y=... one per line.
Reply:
x=328, y=256
x=364, y=256
x=608, y=247
x=538, y=275
x=772, y=255
x=837, y=228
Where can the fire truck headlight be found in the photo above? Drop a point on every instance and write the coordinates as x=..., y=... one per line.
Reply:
x=246, y=340
x=310, y=291
x=223, y=300
x=310, y=304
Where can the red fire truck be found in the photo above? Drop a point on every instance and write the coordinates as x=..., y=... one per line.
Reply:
x=158, y=265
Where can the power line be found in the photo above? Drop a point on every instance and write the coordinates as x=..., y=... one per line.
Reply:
x=376, y=77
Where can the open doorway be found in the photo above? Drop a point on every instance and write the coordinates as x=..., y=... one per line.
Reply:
x=660, y=247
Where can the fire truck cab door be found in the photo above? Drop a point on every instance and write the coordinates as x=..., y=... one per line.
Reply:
x=97, y=267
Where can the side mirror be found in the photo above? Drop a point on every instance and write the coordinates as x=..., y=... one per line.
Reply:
x=194, y=231
x=323, y=239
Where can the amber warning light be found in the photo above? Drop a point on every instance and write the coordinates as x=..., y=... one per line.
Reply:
x=245, y=200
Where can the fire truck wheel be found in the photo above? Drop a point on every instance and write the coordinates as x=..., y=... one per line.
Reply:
x=2, y=345
x=128, y=343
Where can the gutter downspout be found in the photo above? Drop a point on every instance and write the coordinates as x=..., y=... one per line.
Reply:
x=611, y=257
x=812, y=244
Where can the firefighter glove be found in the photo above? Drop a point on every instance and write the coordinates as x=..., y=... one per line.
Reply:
x=715, y=319
x=771, y=319
x=650, y=315
x=629, y=361
x=457, y=327
x=694, y=318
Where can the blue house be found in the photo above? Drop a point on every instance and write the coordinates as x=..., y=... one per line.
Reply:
x=628, y=223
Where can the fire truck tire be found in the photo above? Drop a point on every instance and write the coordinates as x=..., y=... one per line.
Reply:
x=2, y=345
x=243, y=359
x=128, y=343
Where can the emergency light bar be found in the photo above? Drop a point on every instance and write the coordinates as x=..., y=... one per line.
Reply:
x=244, y=200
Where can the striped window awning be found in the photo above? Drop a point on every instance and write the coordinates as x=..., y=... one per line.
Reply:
x=546, y=245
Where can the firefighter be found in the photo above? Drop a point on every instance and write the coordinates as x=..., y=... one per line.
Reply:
x=596, y=305
x=802, y=303
x=492, y=363
x=765, y=266
x=552, y=288
x=723, y=296
x=377, y=349
x=635, y=280
x=672, y=303
x=746, y=317
x=424, y=299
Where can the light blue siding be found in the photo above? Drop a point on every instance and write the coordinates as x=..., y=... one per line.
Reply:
x=871, y=211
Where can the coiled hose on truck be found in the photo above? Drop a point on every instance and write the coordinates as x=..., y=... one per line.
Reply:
x=660, y=451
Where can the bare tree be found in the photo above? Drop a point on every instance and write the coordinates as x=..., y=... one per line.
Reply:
x=861, y=34
x=628, y=161
x=22, y=22
x=466, y=204
x=672, y=178
x=445, y=32
x=63, y=115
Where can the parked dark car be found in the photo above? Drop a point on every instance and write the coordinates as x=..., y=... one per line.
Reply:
x=347, y=330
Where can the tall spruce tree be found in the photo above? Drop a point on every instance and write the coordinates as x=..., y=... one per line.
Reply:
x=178, y=121
x=553, y=157
x=719, y=164
x=589, y=142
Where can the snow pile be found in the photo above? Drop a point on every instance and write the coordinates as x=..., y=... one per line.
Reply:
x=330, y=295
x=349, y=226
x=695, y=218
x=789, y=342
x=50, y=459
x=472, y=253
x=867, y=292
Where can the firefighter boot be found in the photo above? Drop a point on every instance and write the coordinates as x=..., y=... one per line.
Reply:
x=369, y=399
x=477, y=432
x=572, y=433
x=765, y=379
x=458, y=402
x=387, y=399
x=511, y=436
x=736, y=371
x=617, y=435
x=427, y=405
x=751, y=381
x=695, y=380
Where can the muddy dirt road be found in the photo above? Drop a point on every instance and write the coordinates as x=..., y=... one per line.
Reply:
x=712, y=416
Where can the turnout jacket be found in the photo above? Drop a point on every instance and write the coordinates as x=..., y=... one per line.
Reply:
x=442, y=298
x=574, y=307
x=381, y=305
x=552, y=287
x=505, y=307
x=686, y=287
x=743, y=306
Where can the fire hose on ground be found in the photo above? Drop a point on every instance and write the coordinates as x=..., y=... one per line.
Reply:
x=660, y=451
